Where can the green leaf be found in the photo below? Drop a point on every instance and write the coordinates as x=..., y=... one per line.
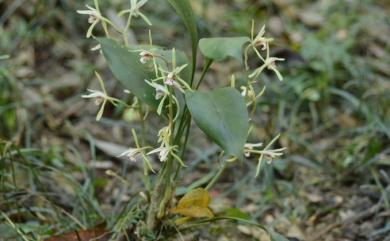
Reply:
x=222, y=115
x=236, y=213
x=3, y=57
x=275, y=236
x=127, y=68
x=184, y=10
x=220, y=48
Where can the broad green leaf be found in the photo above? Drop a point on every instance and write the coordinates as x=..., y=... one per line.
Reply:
x=220, y=48
x=127, y=68
x=194, y=204
x=222, y=115
x=184, y=10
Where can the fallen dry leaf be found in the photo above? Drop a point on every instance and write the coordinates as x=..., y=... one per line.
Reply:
x=96, y=234
x=194, y=204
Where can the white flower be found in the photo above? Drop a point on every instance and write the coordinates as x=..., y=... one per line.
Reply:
x=97, y=47
x=135, y=10
x=94, y=18
x=136, y=6
x=163, y=153
x=272, y=66
x=248, y=147
x=164, y=82
x=164, y=135
x=101, y=97
x=145, y=56
x=260, y=40
x=92, y=12
x=133, y=153
x=244, y=91
x=162, y=92
x=139, y=151
x=172, y=78
x=269, y=63
x=166, y=149
x=272, y=154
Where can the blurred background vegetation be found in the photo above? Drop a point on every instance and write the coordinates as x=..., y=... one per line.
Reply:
x=332, y=111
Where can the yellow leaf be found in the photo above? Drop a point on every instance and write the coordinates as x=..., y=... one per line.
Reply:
x=194, y=204
x=197, y=197
x=194, y=212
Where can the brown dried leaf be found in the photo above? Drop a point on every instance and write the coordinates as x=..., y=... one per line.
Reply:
x=95, y=234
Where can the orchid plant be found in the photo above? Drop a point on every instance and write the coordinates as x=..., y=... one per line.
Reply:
x=165, y=82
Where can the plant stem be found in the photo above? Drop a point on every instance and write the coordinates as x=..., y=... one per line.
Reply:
x=185, y=123
x=205, y=69
x=186, y=137
x=184, y=146
x=217, y=176
x=158, y=195
x=143, y=124
x=164, y=188
x=128, y=24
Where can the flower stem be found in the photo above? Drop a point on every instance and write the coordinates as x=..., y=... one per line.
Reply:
x=205, y=69
x=217, y=176
x=165, y=184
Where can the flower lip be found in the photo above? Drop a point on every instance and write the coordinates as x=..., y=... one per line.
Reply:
x=92, y=12
x=253, y=145
x=134, y=10
x=170, y=80
x=133, y=153
x=145, y=56
x=163, y=153
x=248, y=147
x=94, y=94
x=94, y=18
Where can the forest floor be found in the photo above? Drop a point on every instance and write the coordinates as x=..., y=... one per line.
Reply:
x=332, y=111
